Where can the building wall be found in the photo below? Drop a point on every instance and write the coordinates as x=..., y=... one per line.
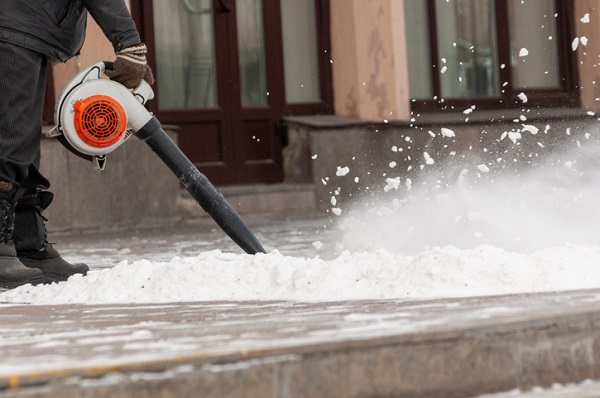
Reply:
x=370, y=81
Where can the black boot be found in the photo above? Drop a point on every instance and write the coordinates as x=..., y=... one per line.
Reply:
x=12, y=271
x=30, y=237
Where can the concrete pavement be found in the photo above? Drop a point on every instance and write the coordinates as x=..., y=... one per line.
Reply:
x=431, y=348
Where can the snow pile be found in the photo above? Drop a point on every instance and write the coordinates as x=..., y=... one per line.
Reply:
x=438, y=272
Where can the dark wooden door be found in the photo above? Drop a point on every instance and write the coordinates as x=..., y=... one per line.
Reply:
x=218, y=66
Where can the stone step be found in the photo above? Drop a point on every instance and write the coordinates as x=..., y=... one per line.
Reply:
x=256, y=198
x=452, y=348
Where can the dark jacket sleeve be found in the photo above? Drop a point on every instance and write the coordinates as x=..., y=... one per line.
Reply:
x=114, y=19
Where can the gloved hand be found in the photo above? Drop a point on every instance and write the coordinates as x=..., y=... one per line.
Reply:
x=131, y=67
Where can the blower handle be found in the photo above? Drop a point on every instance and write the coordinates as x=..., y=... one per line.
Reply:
x=143, y=92
x=108, y=65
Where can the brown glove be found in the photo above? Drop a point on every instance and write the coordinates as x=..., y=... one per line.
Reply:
x=131, y=67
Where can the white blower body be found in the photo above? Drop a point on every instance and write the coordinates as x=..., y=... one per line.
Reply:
x=94, y=116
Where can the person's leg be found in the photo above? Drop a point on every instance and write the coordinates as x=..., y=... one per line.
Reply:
x=22, y=72
x=20, y=138
x=22, y=86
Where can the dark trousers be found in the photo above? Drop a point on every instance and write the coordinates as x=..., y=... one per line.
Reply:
x=22, y=88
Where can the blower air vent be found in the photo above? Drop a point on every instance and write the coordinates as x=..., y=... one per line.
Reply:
x=100, y=120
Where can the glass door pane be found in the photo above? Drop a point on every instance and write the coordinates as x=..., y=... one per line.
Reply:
x=468, y=63
x=533, y=44
x=251, y=46
x=185, y=54
x=300, y=54
x=418, y=48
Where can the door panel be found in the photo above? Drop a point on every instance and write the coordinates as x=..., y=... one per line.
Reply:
x=207, y=145
x=214, y=81
x=256, y=143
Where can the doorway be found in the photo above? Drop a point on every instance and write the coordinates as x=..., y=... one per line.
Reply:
x=219, y=77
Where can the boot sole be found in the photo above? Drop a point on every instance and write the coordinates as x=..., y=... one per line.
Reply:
x=50, y=276
x=8, y=285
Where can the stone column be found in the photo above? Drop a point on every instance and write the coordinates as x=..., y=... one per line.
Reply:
x=370, y=71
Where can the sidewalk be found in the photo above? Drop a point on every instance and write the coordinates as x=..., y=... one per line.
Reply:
x=292, y=233
x=429, y=348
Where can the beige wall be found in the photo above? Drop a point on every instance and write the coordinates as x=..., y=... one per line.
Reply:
x=589, y=55
x=369, y=59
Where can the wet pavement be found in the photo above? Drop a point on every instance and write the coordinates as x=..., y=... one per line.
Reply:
x=429, y=348
x=293, y=234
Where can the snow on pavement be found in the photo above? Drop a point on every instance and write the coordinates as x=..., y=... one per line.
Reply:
x=214, y=275
x=483, y=234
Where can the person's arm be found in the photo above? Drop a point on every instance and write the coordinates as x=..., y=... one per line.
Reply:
x=114, y=19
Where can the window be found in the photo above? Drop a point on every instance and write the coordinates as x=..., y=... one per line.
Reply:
x=300, y=52
x=306, y=56
x=251, y=47
x=186, y=54
x=490, y=53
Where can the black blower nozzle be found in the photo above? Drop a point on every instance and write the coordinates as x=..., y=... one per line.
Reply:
x=201, y=189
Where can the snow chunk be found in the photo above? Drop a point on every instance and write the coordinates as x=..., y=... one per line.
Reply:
x=483, y=168
x=342, y=171
x=532, y=129
x=523, y=97
x=337, y=211
x=514, y=136
x=586, y=18
x=447, y=133
x=391, y=183
x=575, y=43
x=428, y=159
x=523, y=52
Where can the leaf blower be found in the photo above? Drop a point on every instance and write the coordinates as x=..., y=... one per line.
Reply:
x=95, y=116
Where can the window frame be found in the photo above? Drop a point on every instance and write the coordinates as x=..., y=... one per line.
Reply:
x=567, y=95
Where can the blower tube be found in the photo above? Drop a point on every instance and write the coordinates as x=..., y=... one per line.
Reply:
x=201, y=189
